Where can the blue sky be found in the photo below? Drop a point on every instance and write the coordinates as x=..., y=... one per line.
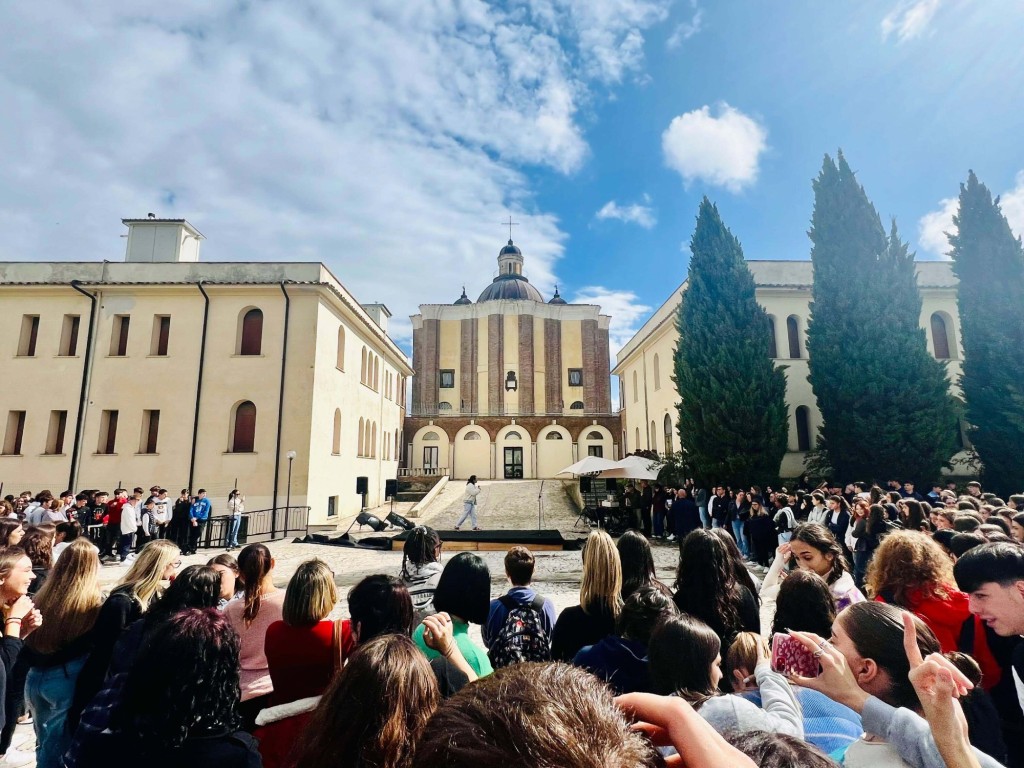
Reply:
x=388, y=139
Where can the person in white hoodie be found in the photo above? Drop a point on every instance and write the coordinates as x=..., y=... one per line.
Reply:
x=129, y=524
x=469, y=501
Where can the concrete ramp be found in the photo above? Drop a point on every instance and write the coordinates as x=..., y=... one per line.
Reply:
x=507, y=505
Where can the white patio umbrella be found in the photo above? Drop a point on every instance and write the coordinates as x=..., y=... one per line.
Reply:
x=588, y=466
x=634, y=468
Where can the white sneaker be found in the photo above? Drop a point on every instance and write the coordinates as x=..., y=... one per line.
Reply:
x=671, y=537
x=15, y=757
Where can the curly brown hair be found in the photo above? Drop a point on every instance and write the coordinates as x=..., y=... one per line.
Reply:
x=907, y=562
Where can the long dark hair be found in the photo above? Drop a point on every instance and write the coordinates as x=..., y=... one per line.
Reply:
x=420, y=548
x=375, y=710
x=184, y=683
x=805, y=603
x=680, y=655
x=739, y=569
x=637, y=562
x=818, y=536
x=915, y=520
x=464, y=589
x=876, y=631
x=876, y=520
x=7, y=527
x=380, y=605
x=706, y=583
x=197, y=586
x=254, y=564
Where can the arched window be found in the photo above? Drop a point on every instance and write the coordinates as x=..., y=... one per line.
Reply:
x=774, y=348
x=341, y=348
x=398, y=448
x=471, y=436
x=554, y=436
x=251, y=336
x=793, y=329
x=373, y=440
x=443, y=406
x=367, y=445
x=362, y=366
x=430, y=437
x=657, y=372
x=336, y=441
x=654, y=437
x=595, y=435
x=637, y=446
x=668, y=433
x=359, y=450
x=376, y=373
x=513, y=436
x=636, y=389
x=940, y=337
x=243, y=431
x=803, y=428
x=577, y=405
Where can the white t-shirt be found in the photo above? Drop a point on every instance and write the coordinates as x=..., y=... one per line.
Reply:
x=872, y=754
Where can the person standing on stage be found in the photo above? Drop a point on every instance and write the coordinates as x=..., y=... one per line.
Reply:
x=469, y=503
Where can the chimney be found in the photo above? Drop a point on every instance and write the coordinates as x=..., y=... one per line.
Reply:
x=379, y=314
x=161, y=240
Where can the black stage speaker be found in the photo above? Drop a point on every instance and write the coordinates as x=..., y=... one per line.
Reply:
x=611, y=485
x=390, y=489
x=585, y=484
x=362, y=485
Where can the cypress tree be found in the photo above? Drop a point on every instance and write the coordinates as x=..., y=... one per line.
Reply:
x=885, y=403
x=733, y=417
x=989, y=263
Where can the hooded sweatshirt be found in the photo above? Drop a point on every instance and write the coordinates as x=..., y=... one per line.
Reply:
x=421, y=582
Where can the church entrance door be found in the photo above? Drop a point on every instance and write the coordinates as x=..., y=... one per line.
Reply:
x=513, y=463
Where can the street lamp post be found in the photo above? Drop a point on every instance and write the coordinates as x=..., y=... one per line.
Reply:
x=288, y=497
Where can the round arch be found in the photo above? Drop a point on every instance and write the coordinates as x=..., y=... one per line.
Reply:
x=433, y=453
x=553, y=454
x=472, y=453
x=596, y=440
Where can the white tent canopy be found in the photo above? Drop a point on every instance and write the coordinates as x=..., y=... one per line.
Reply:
x=634, y=468
x=589, y=466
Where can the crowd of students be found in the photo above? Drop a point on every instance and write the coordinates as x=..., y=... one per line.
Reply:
x=916, y=662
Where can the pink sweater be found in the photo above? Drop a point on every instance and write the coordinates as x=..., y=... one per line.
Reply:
x=255, y=675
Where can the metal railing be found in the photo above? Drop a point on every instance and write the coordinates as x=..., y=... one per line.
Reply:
x=258, y=526
x=422, y=471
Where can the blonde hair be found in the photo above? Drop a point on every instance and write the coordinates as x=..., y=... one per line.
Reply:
x=144, y=577
x=742, y=654
x=70, y=599
x=602, y=575
x=311, y=594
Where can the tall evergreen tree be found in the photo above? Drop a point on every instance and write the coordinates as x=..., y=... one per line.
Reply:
x=989, y=262
x=733, y=418
x=884, y=400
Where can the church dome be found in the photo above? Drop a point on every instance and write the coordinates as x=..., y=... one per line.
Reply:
x=557, y=298
x=510, y=287
x=463, y=299
x=510, y=248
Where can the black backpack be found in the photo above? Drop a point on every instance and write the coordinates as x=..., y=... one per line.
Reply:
x=522, y=637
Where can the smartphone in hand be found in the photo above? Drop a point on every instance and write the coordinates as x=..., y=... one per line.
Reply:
x=789, y=655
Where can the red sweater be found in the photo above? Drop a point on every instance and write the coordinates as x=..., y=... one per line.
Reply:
x=300, y=659
x=946, y=618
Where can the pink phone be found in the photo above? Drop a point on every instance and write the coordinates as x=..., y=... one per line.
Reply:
x=789, y=655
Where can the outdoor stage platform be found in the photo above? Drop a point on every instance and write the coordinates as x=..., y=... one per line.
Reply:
x=461, y=541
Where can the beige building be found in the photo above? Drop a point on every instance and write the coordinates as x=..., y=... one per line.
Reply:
x=509, y=386
x=647, y=392
x=163, y=369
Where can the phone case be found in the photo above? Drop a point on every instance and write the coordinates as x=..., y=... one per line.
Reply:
x=789, y=655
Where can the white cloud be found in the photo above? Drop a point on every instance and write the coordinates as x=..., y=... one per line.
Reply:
x=642, y=215
x=384, y=142
x=933, y=226
x=723, y=150
x=627, y=314
x=687, y=29
x=909, y=19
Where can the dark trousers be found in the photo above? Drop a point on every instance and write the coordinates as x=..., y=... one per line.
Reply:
x=645, y=520
x=113, y=536
x=124, y=546
x=196, y=535
x=178, y=531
